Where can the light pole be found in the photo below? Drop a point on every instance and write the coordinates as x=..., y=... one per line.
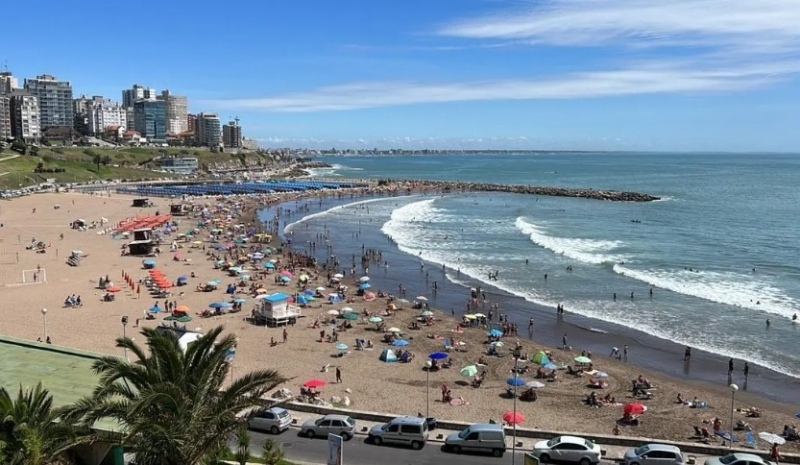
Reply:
x=124, y=336
x=733, y=388
x=428, y=365
x=44, y=317
x=514, y=443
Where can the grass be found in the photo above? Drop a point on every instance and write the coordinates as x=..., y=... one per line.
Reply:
x=231, y=457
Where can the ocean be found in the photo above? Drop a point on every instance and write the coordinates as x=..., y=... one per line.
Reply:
x=719, y=251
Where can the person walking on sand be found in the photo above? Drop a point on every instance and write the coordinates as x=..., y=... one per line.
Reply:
x=625, y=353
x=338, y=375
x=687, y=354
x=730, y=367
x=285, y=336
x=564, y=342
x=774, y=455
x=746, y=370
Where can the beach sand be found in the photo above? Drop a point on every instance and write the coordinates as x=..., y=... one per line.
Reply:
x=398, y=388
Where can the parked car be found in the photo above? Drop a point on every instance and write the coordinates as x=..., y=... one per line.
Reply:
x=571, y=449
x=654, y=454
x=738, y=459
x=411, y=431
x=480, y=437
x=340, y=425
x=275, y=420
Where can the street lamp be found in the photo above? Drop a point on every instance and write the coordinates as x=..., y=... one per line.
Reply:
x=514, y=443
x=124, y=324
x=44, y=317
x=733, y=388
x=428, y=365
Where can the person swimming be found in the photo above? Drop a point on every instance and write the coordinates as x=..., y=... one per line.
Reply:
x=794, y=317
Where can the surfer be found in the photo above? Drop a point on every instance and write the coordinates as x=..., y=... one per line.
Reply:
x=794, y=317
x=768, y=322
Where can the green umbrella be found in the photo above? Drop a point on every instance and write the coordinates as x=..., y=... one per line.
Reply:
x=469, y=371
x=350, y=316
x=582, y=359
x=375, y=319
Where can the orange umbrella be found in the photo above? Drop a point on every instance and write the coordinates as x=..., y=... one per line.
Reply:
x=113, y=289
x=182, y=308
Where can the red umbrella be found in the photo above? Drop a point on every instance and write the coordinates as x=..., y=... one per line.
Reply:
x=513, y=418
x=113, y=289
x=314, y=383
x=634, y=408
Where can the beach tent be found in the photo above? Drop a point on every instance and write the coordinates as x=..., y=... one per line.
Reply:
x=541, y=358
x=388, y=355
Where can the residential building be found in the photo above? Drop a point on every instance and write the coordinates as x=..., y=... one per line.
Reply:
x=129, y=117
x=207, y=130
x=137, y=92
x=80, y=110
x=232, y=135
x=55, y=101
x=104, y=113
x=25, y=123
x=5, y=117
x=177, y=112
x=150, y=117
x=191, y=122
x=181, y=165
x=8, y=82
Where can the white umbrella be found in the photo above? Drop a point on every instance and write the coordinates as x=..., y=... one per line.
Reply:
x=498, y=343
x=320, y=289
x=364, y=279
x=403, y=301
x=346, y=310
x=333, y=312
x=422, y=298
x=393, y=330
x=426, y=313
x=338, y=276
x=534, y=384
x=480, y=315
x=771, y=438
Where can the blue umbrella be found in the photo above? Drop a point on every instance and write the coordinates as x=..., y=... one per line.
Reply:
x=549, y=366
x=438, y=355
x=285, y=279
x=240, y=300
x=495, y=333
x=341, y=346
x=301, y=299
x=309, y=292
x=219, y=305
x=269, y=265
x=149, y=263
x=182, y=277
x=155, y=309
x=364, y=286
x=400, y=343
x=515, y=381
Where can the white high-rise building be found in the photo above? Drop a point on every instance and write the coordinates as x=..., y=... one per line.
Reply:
x=5, y=117
x=25, y=122
x=177, y=112
x=7, y=82
x=137, y=92
x=104, y=113
x=55, y=100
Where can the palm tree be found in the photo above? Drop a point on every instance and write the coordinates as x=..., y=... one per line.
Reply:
x=31, y=432
x=170, y=402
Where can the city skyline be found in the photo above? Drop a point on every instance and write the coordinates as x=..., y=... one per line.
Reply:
x=698, y=75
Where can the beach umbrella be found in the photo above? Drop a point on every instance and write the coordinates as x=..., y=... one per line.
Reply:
x=113, y=289
x=634, y=408
x=534, y=384
x=285, y=278
x=338, y=276
x=219, y=305
x=583, y=360
x=480, y=315
x=301, y=299
x=771, y=438
x=155, y=309
x=239, y=300
x=426, y=313
x=469, y=371
x=182, y=308
x=346, y=309
x=364, y=286
x=498, y=343
x=471, y=317
x=600, y=375
x=333, y=312
x=375, y=319
x=309, y=292
x=400, y=343
x=314, y=383
x=421, y=298
x=549, y=366
x=215, y=281
x=515, y=381
x=303, y=277
x=269, y=265
x=350, y=316
x=541, y=358
x=321, y=289
x=513, y=418
x=403, y=301
x=287, y=273
x=393, y=329
x=364, y=279
x=495, y=333
x=438, y=355
x=341, y=346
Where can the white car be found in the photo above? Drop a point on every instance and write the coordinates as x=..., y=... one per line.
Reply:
x=568, y=449
x=340, y=425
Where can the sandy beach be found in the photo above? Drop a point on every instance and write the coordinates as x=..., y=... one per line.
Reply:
x=369, y=383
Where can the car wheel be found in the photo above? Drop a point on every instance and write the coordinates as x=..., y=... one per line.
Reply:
x=416, y=445
x=377, y=441
x=634, y=463
x=456, y=449
x=347, y=436
x=585, y=461
x=544, y=458
x=310, y=434
x=497, y=452
x=274, y=430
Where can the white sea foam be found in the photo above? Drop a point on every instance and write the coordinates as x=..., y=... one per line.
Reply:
x=337, y=208
x=740, y=290
x=585, y=250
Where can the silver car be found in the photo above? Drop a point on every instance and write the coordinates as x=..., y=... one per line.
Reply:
x=571, y=449
x=340, y=425
x=274, y=420
x=738, y=459
x=654, y=454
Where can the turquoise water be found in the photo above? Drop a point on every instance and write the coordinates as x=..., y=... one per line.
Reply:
x=722, y=217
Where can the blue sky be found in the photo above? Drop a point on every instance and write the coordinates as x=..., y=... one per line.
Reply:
x=546, y=74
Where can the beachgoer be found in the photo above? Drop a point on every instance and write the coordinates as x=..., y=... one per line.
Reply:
x=338, y=375
x=625, y=353
x=746, y=370
x=730, y=367
x=774, y=455
x=687, y=354
x=564, y=342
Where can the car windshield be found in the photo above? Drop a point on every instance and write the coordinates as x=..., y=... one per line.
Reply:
x=553, y=442
x=641, y=451
x=464, y=433
x=282, y=414
x=350, y=421
x=589, y=444
x=727, y=459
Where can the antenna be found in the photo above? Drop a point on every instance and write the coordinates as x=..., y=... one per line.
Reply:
x=237, y=120
x=5, y=65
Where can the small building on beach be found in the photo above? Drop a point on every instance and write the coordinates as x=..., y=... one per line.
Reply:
x=276, y=310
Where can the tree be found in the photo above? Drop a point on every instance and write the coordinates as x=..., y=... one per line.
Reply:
x=170, y=402
x=31, y=430
x=272, y=453
x=242, y=445
x=97, y=159
x=34, y=150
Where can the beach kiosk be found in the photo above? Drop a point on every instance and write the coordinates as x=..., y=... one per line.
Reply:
x=275, y=310
x=141, y=203
x=178, y=209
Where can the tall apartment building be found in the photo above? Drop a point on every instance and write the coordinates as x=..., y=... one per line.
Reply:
x=103, y=113
x=7, y=82
x=55, y=101
x=177, y=112
x=191, y=122
x=208, y=131
x=5, y=116
x=80, y=110
x=232, y=135
x=25, y=122
x=137, y=92
x=150, y=119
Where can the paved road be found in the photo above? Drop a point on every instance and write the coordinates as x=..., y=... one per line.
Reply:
x=358, y=452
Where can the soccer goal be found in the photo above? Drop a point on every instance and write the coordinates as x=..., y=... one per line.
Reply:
x=9, y=258
x=36, y=276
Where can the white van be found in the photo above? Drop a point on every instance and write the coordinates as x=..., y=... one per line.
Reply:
x=480, y=437
x=411, y=431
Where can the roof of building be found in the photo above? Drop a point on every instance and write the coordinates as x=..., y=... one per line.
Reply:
x=130, y=133
x=277, y=297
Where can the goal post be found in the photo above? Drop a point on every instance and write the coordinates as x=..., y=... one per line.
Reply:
x=35, y=276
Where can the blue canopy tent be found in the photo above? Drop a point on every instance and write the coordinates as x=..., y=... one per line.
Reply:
x=388, y=356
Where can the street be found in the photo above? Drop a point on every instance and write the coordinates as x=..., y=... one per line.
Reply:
x=358, y=452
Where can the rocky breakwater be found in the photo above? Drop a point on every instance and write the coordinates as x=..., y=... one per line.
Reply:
x=596, y=194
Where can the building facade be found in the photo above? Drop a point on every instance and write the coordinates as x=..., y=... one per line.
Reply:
x=54, y=99
x=191, y=123
x=25, y=123
x=8, y=82
x=182, y=165
x=208, y=131
x=177, y=112
x=5, y=116
x=232, y=135
x=137, y=92
x=104, y=113
x=150, y=117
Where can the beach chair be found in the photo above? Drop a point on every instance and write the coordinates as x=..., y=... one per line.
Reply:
x=448, y=344
x=750, y=440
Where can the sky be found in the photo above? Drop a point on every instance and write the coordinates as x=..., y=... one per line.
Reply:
x=676, y=75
